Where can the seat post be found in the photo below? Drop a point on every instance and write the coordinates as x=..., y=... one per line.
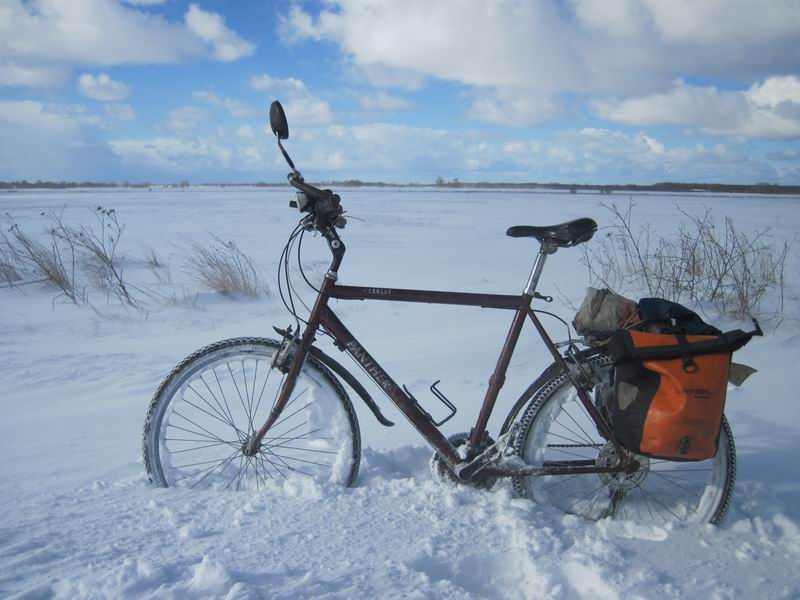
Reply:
x=545, y=249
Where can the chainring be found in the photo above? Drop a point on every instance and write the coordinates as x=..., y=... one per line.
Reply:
x=441, y=472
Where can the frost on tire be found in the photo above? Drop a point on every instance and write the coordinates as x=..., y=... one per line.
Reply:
x=205, y=411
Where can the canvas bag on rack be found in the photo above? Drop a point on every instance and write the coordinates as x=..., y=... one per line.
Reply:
x=603, y=312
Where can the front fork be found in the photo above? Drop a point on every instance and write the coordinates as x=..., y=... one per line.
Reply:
x=253, y=445
x=337, y=249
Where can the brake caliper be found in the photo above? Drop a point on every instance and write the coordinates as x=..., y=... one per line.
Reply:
x=282, y=359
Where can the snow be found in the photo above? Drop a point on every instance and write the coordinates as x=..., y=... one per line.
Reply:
x=79, y=519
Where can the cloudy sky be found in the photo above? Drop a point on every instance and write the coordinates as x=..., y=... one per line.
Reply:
x=482, y=90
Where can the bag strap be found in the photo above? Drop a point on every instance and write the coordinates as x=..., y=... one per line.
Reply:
x=621, y=346
x=689, y=366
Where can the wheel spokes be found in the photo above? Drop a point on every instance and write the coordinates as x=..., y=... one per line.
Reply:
x=558, y=428
x=205, y=433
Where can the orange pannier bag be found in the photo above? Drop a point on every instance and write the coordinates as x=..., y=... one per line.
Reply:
x=669, y=391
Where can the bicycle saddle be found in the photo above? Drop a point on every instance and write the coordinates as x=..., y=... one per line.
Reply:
x=564, y=235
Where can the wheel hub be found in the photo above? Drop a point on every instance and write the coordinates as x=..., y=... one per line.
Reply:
x=623, y=481
x=249, y=448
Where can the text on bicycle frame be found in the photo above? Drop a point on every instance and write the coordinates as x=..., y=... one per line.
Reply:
x=370, y=366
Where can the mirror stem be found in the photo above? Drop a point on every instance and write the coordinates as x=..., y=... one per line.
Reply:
x=285, y=154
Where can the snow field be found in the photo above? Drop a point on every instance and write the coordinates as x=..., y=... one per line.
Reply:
x=80, y=521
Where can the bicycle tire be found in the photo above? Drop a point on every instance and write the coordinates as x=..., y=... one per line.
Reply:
x=660, y=491
x=192, y=418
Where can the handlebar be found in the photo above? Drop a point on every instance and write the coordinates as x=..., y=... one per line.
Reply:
x=324, y=205
x=297, y=182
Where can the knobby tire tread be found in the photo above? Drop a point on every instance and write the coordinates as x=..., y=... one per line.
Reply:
x=310, y=361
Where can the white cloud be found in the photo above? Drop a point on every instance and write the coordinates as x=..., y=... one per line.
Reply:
x=509, y=106
x=767, y=110
x=527, y=52
x=382, y=76
x=478, y=46
x=390, y=152
x=186, y=120
x=265, y=83
x=120, y=112
x=41, y=39
x=605, y=156
x=402, y=153
x=232, y=106
x=383, y=102
x=775, y=91
x=101, y=32
x=302, y=107
x=210, y=27
x=172, y=154
x=203, y=157
x=102, y=87
x=308, y=111
x=246, y=132
x=32, y=76
x=720, y=21
x=51, y=141
x=144, y=2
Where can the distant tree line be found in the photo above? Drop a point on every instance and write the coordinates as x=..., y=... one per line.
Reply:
x=23, y=184
x=756, y=188
x=667, y=186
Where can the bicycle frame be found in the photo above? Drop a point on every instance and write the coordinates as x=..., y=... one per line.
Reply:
x=322, y=316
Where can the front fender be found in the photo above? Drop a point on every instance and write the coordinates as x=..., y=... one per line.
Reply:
x=348, y=378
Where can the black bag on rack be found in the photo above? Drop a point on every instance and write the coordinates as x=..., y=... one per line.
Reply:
x=670, y=317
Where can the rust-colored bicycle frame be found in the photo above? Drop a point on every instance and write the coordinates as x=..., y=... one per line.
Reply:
x=322, y=316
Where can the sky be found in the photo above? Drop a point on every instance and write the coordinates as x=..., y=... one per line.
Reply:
x=583, y=91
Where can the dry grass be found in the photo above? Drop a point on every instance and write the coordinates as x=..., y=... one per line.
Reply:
x=158, y=267
x=702, y=263
x=73, y=258
x=54, y=263
x=10, y=262
x=93, y=248
x=224, y=268
x=152, y=259
x=98, y=246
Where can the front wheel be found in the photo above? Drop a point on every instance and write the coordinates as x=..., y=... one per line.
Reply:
x=208, y=407
x=556, y=426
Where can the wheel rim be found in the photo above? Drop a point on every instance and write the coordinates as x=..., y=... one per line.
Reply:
x=216, y=407
x=660, y=491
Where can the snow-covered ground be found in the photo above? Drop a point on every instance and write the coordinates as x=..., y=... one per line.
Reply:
x=79, y=520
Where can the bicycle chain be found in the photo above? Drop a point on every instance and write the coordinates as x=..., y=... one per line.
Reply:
x=575, y=445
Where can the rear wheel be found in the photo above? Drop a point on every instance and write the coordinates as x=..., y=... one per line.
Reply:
x=556, y=426
x=207, y=409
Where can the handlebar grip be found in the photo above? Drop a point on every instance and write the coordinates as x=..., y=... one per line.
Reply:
x=306, y=188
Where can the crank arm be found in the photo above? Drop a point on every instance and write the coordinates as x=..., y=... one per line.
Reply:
x=492, y=454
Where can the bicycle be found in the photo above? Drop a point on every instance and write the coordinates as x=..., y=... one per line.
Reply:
x=209, y=424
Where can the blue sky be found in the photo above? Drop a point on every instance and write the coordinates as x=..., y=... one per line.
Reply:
x=580, y=91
